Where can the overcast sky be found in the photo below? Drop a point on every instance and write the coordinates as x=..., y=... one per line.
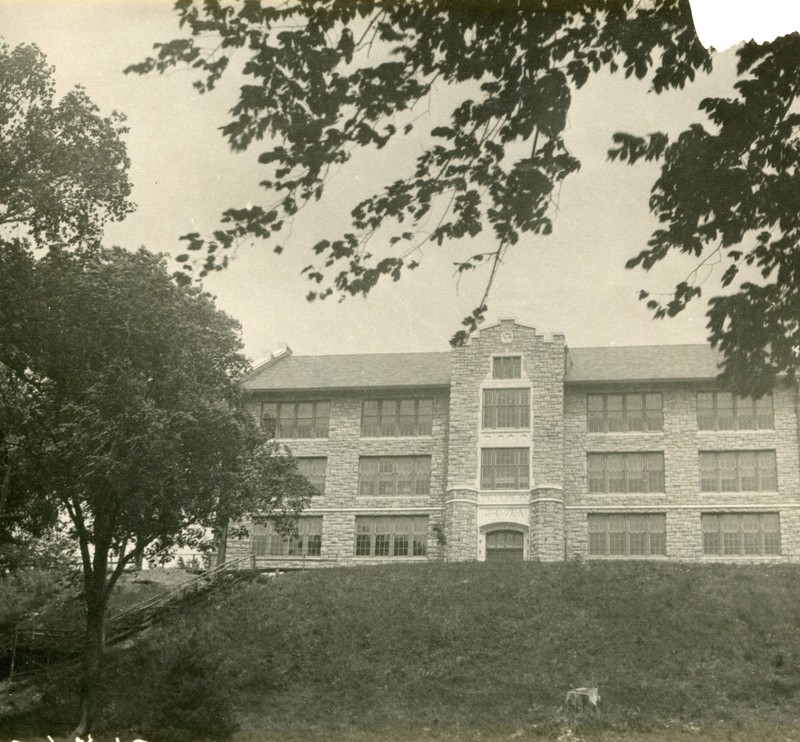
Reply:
x=184, y=176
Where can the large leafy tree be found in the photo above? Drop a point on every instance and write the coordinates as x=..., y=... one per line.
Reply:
x=138, y=432
x=63, y=166
x=729, y=193
x=119, y=398
x=326, y=78
x=63, y=175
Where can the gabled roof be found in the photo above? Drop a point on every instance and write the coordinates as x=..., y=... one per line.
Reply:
x=352, y=371
x=642, y=363
x=397, y=370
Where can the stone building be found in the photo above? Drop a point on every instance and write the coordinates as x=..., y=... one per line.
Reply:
x=518, y=447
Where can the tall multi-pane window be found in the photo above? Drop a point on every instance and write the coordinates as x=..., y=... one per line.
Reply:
x=505, y=468
x=506, y=408
x=396, y=417
x=394, y=475
x=741, y=534
x=507, y=367
x=296, y=419
x=391, y=536
x=627, y=534
x=313, y=468
x=266, y=540
x=725, y=411
x=738, y=471
x=624, y=413
x=625, y=472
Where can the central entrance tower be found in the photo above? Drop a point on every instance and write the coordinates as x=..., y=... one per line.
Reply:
x=504, y=495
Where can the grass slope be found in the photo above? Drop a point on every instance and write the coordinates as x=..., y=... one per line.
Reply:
x=485, y=647
x=481, y=644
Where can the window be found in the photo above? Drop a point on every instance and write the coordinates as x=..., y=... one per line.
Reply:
x=624, y=413
x=394, y=475
x=738, y=471
x=724, y=411
x=396, y=417
x=391, y=536
x=313, y=469
x=507, y=367
x=505, y=468
x=630, y=535
x=296, y=419
x=625, y=472
x=267, y=541
x=506, y=408
x=741, y=534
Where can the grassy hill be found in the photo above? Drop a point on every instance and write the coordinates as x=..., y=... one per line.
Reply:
x=455, y=649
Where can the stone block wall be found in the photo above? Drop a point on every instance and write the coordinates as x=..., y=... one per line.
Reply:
x=542, y=371
x=342, y=448
x=338, y=536
x=471, y=373
x=461, y=525
x=547, y=525
x=680, y=441
x=237, y=548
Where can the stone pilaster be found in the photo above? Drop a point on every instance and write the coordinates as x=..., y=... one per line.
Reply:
x=547, y=524
x=461, y=525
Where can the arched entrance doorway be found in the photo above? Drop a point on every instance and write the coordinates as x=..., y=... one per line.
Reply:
x=505, y=546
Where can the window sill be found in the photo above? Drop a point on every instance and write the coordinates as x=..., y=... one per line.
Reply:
x=625, y=432
x=628, y=558
x=633, y=494
x=383, y=498
x=427, y=436
x=736, y=430
x=295, y=440
x=506, y=430
x=741, y=557
x=739, y=492
x=390, y=559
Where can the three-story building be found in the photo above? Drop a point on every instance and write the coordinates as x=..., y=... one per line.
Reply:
x=518, y=447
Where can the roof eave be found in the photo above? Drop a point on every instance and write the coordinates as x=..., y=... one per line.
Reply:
x=322, y=389
x=641, y=380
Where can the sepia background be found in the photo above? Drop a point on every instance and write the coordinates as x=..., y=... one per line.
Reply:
x=573, y=281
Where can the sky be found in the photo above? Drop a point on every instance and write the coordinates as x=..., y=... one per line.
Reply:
x=184, y=175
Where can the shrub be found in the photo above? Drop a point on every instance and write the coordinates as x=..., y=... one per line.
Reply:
x=28, y=590
x=176, y=695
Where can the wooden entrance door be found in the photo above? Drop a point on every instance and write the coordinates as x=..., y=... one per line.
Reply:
x=505, y=546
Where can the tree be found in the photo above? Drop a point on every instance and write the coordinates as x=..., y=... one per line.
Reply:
x=139, y=433
x=325, y=78
x=21, y=520
x=63, y=175
x=63, y=167
x=731, y=195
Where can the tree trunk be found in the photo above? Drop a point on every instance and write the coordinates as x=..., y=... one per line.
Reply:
x=94, y=644
x=5, y=488
x=222, y=543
